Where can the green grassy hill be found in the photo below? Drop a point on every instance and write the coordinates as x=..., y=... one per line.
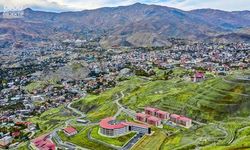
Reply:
x=222, y=103
x=210, y=100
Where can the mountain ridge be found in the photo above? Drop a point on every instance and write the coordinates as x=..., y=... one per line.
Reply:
x=135, y=25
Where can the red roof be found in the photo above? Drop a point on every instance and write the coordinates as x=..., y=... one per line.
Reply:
x=151, y=109
x=28, y=123
x=70, y=130
x=44, y=143
x=105, y=123
x=199, y=75
x=15, y=134
x=175, y=116
x=162, y=112
x=153, y=118
x=24, y=123
x=184, y=118
x=141, y=115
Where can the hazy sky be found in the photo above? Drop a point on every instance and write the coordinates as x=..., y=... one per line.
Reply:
x=73, y=5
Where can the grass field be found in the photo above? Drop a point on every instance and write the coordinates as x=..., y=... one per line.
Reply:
x=214, y=101
x=100, y=106
x=209, y=100
x=81, y=139
x=230, y=134
x=220, y=102
x=35, y=85
x=118, y=141
x=52, y=119
x=151, y=142
x=23, y=146
x=41, y=84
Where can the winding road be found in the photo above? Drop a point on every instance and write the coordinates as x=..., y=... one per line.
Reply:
x=58, y=140
x=129, y=112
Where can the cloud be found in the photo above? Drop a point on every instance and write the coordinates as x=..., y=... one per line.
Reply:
x=47, y=5
x=74, y=5
x=228, y=5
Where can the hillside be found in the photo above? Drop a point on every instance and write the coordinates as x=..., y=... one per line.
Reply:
x=221, y=103
x=134, y=25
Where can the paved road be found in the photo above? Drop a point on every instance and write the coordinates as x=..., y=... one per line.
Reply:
x=62, y=144
x=83, y=115
x=132, y=142
x=32, y=134
x=58, y=140
x=129, y=112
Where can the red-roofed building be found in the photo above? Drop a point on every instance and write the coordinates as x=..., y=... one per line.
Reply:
x=198, y=76
x=174, y=117
x=15, y=134
x=162, y=114
x=150, y=111
x=110, y=127
x=187, y=122
x=29, y=125
x=154, y=121
x=70, y=131
x=141, y=117
x=43, y=143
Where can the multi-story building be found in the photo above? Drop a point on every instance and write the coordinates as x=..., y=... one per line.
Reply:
x=112, y=128
x=150, y=111
x=70, y=131
x=162, y=114
x=152, y=120
x=184, y=121
x=6, y=140
x=141, y=117
x=43, y=143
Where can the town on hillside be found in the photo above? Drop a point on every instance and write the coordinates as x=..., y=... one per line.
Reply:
x=37, y=80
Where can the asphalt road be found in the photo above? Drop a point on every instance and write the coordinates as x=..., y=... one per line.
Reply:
x=132, y=142
x=129, y=112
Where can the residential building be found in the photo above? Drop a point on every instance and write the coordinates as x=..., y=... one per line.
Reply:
x=152, y=120
x=184, y=121
x=162, y=114
x=6, y=140
x=198, y=77
x=174, y=117
x=187, y=122
x=43, y=143
x=112, y=128
x=150, y=111
x=70, y=131
x=141, y=117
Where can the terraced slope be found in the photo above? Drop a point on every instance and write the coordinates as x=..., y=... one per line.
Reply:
x=210, y=100
x=221, y=103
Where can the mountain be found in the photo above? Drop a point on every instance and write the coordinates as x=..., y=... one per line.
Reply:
x=134, y=25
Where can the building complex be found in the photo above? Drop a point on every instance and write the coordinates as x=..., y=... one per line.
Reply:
x=154, y=116
x=113, y=128
x=43, y=143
